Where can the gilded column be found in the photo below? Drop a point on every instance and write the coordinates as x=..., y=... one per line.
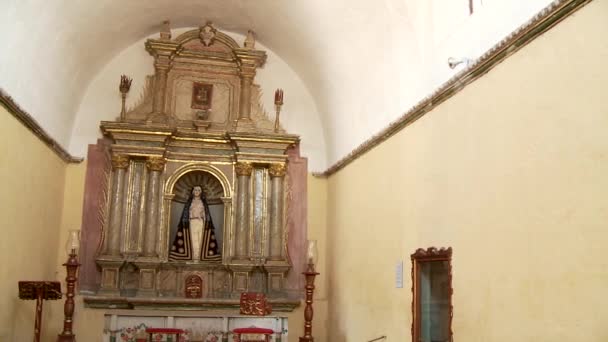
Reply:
x=241, y=232
x=277, y=173
x=245, y=99
x=119, y=165
x=161, y=67
x=155, y=166
x=249, y=60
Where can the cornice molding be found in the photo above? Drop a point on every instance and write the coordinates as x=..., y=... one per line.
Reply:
x=432, y=253
x=28, y=121
x=544, y=20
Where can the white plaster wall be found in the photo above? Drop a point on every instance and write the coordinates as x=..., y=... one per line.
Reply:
x=364, y=62
x=511, y=173
x=457, y=34
x=102, y=100
x=398, y=63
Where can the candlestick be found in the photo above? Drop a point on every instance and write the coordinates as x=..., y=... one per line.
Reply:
x=124, y=87
x=72, y=246
x=310, y=274
x=278, y=97
x=278, y=102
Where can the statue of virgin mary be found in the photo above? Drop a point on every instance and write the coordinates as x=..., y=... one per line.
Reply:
x=195, y=237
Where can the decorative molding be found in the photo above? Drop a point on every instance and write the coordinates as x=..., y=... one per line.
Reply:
x=155, y=163
x=28, y=121
x=129, y=303
x=277, y=169
x=429, y=255
x=432, y=253
x=551, y=15
x=243, y=168
x=120, y=161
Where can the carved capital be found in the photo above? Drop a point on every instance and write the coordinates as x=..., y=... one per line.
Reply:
x=155, y=164
x=247, y=74
x=243, y=169
x=162, y=64
x=277, y=170
x=120, y=161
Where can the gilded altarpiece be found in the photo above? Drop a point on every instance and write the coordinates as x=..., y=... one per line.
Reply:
x=199, y=124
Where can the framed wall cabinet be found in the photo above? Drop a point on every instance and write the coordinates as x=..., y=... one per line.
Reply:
x=432, y=309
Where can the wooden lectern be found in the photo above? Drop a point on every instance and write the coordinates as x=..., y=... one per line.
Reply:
x=39, y=290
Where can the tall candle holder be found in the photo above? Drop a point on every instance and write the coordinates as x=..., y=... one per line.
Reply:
x=124, y=87
x=310, y=274
x=72, y=246
x=278, y=103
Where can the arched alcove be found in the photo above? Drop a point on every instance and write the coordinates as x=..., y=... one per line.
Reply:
x=215, y=190
x=212, y=191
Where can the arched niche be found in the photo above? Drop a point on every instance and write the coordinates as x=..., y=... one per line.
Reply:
x=216, y=189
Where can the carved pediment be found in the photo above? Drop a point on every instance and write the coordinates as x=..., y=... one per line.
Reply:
x=203, y=80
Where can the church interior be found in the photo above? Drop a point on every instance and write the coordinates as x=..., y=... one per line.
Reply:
x=354, y=170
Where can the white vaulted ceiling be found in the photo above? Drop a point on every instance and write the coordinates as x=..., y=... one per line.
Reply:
x=363, y=62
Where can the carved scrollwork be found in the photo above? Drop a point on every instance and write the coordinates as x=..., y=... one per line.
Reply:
x=207, y=34
x=243, y=169
x=193, y=287
x=432, y=252
x=277, y=170
x=155, y=164
x=120, y=161
x=211, y=186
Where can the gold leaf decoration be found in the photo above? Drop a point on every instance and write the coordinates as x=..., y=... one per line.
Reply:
x=212, y=188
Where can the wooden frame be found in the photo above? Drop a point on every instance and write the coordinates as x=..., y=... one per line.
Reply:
x=421, y=256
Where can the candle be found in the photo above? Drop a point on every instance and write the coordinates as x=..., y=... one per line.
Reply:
x=73, y=243
x=311, y=252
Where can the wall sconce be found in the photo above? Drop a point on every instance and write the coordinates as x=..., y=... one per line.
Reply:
x=72, y=247
x=310, y=274
x=454, y=62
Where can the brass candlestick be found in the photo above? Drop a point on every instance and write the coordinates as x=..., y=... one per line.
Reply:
x=124, y=87
x=278, y=102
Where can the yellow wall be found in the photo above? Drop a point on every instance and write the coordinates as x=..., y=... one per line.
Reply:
x=511, y=173
x=317, y=230
x=31, y=208
x=88, y=323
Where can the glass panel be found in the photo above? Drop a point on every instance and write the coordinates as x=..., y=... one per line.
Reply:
x=434, y=301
